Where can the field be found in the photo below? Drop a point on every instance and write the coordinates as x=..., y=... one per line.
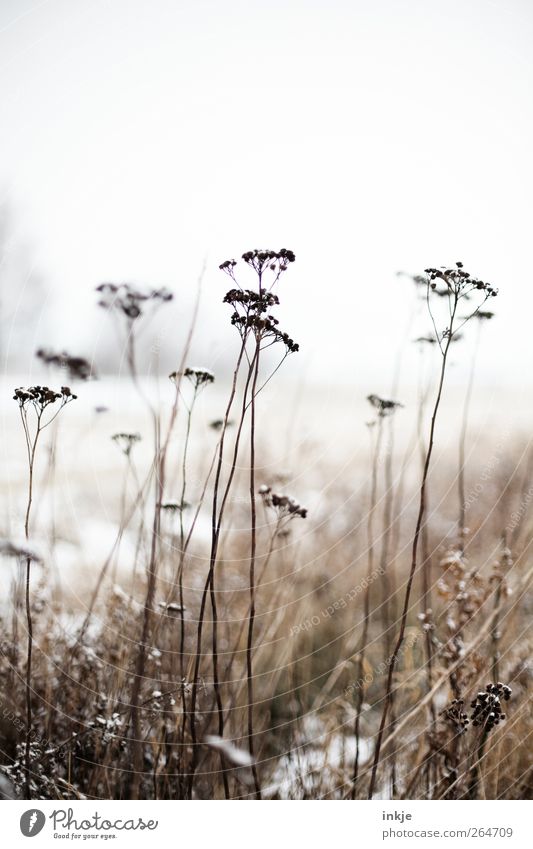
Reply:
x=236, y=587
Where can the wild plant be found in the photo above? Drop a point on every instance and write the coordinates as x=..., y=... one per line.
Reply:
x=384, y=408
x=258, y=330
x=487, y=713
x=128, y=306
x=38, y=407
x=191, y=682
x=458, y=287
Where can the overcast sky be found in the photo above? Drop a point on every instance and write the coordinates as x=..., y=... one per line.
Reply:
x=141, y=136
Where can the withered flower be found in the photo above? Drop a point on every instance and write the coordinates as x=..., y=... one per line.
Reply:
x=126, y=441
x=487, y=707
x=78, y=367
x=284, y=505
x=384, y=407
x=128, y=300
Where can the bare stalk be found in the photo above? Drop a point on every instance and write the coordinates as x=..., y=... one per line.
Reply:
x=216, y=520
x=29, y=622
x=253, y=544
x=366, y=603
x=414, y=557
x=462, y=447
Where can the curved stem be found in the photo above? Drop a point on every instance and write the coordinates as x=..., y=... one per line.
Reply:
x=414, y=557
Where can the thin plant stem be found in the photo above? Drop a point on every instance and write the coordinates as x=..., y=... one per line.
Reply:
x=462, y=446
x=29, y=621
x=414, y=556
x=253, y=545
x=216, y=519
x=366, y=603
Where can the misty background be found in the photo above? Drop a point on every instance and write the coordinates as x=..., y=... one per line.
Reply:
x=142, y=141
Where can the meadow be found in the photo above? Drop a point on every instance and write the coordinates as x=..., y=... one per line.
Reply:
x=215, y=588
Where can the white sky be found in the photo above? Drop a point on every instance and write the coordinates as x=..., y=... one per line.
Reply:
x=140, y=136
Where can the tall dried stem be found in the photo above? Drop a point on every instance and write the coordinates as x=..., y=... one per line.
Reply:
x=459, y=286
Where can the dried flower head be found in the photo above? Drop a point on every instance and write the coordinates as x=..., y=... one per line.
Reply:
x=458, y=281
x=128, y=300
x=487, y=707
x=384, y=407
x=454, y=714
x=41, y=397
x=199, y=377
x=262, y=260
x=77, y=367
x=284, y=505
x=251, y=307
x=126, y=441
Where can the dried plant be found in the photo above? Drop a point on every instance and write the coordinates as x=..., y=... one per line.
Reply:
x=460, y=288
x=258, y=330
x=223, y=666
x=78, y=368
x=38, y=407
x=384, y=409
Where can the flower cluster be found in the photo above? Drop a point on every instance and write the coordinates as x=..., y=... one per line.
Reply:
x=41, y=397
x=128, y=300
x=264, y=328
x=284, y=505
x=251, y=307
x=384, y=407
x=455, y=715
x=260, y=261
x=77, y=367
x=257, y=302
x=487, y=708
x=199, y=377
x=126, y=441
x=458, y=281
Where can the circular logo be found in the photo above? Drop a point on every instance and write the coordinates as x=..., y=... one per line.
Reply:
x=32, y=822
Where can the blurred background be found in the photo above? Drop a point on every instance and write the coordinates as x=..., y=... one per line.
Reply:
x=142, y=141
